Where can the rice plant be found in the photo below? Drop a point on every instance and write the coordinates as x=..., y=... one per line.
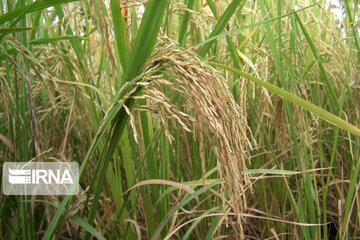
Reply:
x=190, y=119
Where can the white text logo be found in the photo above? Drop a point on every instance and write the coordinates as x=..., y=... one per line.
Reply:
x=20, y=176
x=40, y=178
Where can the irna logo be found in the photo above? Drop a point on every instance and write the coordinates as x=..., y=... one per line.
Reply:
x=20, y=176
x=40, y=178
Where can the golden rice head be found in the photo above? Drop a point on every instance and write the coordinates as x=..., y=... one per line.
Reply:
x=208, y=108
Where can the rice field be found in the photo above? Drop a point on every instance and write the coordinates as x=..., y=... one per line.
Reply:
x=189, y=119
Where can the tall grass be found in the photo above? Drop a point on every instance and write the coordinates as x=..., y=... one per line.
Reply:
x=193, y=120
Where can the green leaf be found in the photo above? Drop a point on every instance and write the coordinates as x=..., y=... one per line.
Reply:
x=184, y=24
x=181, y=204
x=146, y=37
x=213, y=38
x=85, y=225
x=318, y=59
x=32, y=7
x=4, y=31
x=55, y=39
x=220, y=25
x=120, y=31
x=323, y=114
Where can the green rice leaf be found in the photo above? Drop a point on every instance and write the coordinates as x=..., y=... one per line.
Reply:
x=323, y=114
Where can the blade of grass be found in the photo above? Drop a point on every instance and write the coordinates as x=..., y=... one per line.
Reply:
x=181, y=204
x=55, y=39
x=352, y=26
x=144, y=43
x=145, y=38
x=350, y=198
x=4, y=31
x=319, y=61
x=120, y=31
x=184, y=24
x=210, y=39
x=212, y=7
x=85, y=225
x=323, y=114
x=32, y=7
x=220, y=25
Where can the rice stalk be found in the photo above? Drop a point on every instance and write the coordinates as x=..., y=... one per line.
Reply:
x=208, y=109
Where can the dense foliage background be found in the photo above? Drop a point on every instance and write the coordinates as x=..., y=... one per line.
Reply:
x=190, y=119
